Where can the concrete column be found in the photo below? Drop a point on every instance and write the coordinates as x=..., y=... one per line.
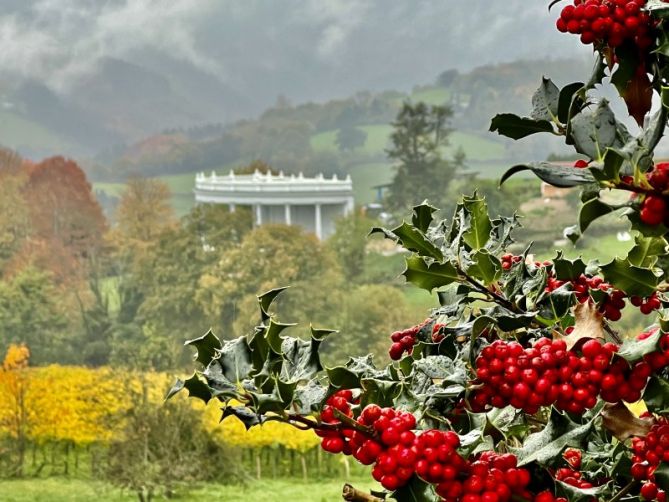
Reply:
x=258, y=215
x=287, y=212
x=319, y=222
x=232, y=207
x=350, y=206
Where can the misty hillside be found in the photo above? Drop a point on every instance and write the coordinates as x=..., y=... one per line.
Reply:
x=109, y=75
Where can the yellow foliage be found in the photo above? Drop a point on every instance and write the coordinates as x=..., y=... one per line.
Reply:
x=232, y=432
x=84, y=405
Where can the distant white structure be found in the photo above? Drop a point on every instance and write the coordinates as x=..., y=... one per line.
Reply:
x=312, y=203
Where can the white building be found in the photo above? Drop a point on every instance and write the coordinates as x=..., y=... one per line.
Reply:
x=312, y=203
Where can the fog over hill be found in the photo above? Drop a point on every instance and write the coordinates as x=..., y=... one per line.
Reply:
x=138, y=66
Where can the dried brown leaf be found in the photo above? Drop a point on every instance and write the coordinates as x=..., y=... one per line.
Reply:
x=622, y=423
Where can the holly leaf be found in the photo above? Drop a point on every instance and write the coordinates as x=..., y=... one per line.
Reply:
x=574, y=494
x=553, y=174
x=308, y=398
x=431, y=276
x=634, y=350
x=662, y=476
x=567, y=270
x=638, y=96
x=414, y=240
x=422, y=216
x=545, y=101
x=206, y=347
x=515, y=127
x=656, y=395
x=567, y=95
x=624, y=424
x=646, y=251
x=595, y=131
x=484, y=266
x=633, y=280
x=243, y=414
x=416, y=490
x=480, y=225
x=301, y=360
x=265, y=301
x=548, y=444
x=194, y=386
x=592, y=210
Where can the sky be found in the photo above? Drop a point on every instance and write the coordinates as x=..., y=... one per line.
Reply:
x=304, y=49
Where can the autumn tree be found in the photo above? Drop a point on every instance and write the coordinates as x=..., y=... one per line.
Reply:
x=67, y=224
x=32, y=311
x=15, y=416
x=143, y=212
x=268, y=257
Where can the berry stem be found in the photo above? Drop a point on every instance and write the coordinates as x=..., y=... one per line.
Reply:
x=345, y=419
x=623, y=491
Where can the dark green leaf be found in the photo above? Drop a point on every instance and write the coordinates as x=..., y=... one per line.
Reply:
x=553, y=174
x=592, y=210
x=485, y=267
x=480, y=225
x=567, y=270
x=545, y=101
x=574, y=494
x=206, y=347
x=656, y=395
x=273, y=334
x=594, y=132
x=431, y=276
x=412, y=239
x=422, y=216
x=515, y=127
x=646, y=251
x=308, y=398
x=265, y=301
x=567, y=95
x=662, y=476
x=416, y=490
x=195, y=387
x=613, y=162
x=635, y=281
x=549, y=443
x=244, y=414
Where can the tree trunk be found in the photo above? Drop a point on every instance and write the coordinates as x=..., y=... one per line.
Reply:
x=303, y=461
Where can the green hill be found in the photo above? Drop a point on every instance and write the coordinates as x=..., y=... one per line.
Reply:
x=476, y=147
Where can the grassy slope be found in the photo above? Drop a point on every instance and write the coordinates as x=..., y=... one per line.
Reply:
x=17, y=132
x=71, y=490
x=476, y=148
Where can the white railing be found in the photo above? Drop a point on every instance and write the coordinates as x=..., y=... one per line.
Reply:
x=259, y=182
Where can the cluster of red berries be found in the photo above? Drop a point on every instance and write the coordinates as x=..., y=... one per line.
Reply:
x=549, y=374
x=608, y=22
x=403, y=341
x=654, y=209
x=612, y=303
x=336, y=440
x=385, y=438
x=647, y=305
x=572, y=475
x=490, y=477
x=508, y=260
x=648, y=453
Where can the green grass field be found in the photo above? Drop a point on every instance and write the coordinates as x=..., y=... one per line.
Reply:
x=17, y=132
x=72, y=490
x=476, y=148
x=432, y=95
